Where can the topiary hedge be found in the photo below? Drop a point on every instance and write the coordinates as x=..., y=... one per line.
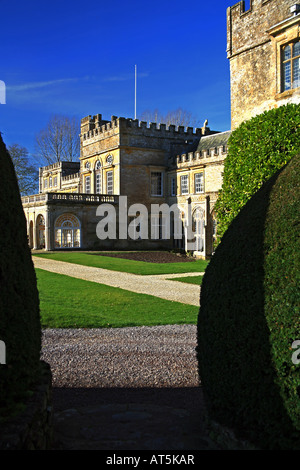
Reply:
x=256, y=150
x=20, y=328
x=249, y=318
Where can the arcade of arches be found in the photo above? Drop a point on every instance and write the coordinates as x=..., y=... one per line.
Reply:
x=67, y=232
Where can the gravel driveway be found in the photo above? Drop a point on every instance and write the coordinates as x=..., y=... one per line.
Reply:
x=126, y=388
x=159, y=356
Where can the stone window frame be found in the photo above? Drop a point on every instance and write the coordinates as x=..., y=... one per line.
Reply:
x=98, y=182
x=173, y=186
x=157, y=186
x=110, y=182
x=87, y=184
x=284, y=33
x=199, y=174
x=184, y=187
x=290, y=60
x=98, y=177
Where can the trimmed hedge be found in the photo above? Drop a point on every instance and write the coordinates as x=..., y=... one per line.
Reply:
x=256, y=150
x=249, y=318
x=19, y=303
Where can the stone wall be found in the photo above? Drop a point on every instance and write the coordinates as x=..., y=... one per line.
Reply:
x=32, y=429
x=255, y=57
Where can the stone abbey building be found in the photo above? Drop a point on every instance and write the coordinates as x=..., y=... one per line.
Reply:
x=125, y=164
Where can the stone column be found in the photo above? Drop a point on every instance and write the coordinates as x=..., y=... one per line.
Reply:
x=34, y=232
x=47, y=231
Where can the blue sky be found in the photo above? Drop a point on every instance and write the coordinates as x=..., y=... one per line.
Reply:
x=78, y=58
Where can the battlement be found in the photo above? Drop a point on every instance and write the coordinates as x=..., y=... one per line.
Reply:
x=213, y=146
x=64, y=165
x=96, y=126
x=199, y=156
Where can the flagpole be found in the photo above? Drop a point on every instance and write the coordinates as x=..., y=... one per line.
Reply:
x=135, y=95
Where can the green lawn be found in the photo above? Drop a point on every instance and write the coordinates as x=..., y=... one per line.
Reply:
x=189, y=279
x=67, y=302
x=124, y=265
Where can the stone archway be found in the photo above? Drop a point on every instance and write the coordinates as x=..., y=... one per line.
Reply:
x=67, y=231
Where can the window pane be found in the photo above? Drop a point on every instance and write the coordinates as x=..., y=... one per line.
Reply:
x=98, y=183
x=156, y=183
x=88, y=184
x=58, y=238
x=287, y=76
x=296, y=73
x=287, y=53
x=184, y=184
x=67, y=238
x=199, y=186
x=173, y=187
x=296, y=49
x=109, y=182
x=77, y=238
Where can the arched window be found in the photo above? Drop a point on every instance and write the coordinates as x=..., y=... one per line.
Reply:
x=67, y=231
x=290, y=66
x=199, y=227
x=98, y=177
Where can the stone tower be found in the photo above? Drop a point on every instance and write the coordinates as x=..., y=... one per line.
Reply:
x=264, y=53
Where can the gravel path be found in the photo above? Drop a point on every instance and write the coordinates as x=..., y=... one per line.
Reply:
x=153, y=285
x=126, y=388
x=159, y=356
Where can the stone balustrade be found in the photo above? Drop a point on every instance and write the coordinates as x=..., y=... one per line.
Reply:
x=74, y=198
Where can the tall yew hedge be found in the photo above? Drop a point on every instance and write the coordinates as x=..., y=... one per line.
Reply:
x=20, y=327
x=249, y=318
x=256, y=150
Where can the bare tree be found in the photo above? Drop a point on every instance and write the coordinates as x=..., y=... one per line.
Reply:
x=27, y=174
x=178, y=117
x=59, y=141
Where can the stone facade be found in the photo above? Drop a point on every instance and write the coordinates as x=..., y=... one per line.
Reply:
x=255, y=45
x=61, y=176
x=152, y=164
x=144, y=163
